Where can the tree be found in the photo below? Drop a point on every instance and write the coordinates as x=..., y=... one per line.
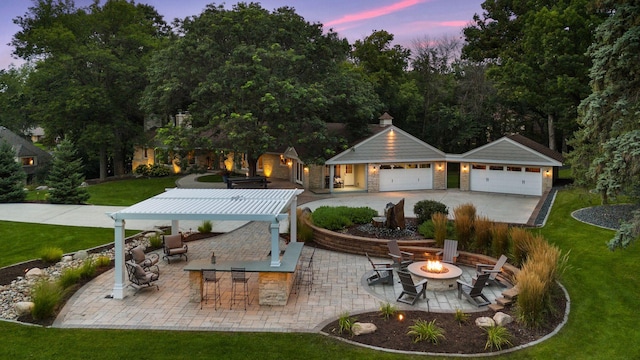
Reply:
x=536, y=51
x=12, y=177
x=89, y=72
x=607, y=146
x=13, y=99
x=255, y=79
x=65, y=178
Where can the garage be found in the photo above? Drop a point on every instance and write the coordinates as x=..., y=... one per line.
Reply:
x=399, y=177
x=524, y=180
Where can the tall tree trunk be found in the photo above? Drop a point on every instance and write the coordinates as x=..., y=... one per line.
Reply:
x=103, y=162
x=118, y=161
x=552, y=132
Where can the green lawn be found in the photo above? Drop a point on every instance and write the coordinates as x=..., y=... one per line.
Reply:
x=603, y=286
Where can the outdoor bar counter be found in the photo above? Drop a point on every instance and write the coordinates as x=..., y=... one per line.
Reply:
x=274, y=282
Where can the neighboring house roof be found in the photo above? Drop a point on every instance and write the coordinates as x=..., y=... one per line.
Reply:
x=513, y=149
x=391, y=144
x=22, y=146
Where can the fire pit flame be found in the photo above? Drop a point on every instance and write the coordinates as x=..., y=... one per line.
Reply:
x=434, y=267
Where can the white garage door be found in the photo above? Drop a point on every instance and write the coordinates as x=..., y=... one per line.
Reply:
x=406, y=179
x=506, y=179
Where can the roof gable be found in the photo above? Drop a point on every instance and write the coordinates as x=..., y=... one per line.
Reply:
x=389, y=145
x=22, y=147
x=509, y=151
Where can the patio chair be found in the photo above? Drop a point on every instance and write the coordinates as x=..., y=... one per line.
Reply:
x=474, y=292
x=146, y=261
x=382, y=273
x=141, y=278
x=411, y=289
x=211, y=276
x=173, y=246
x=449, y=253
x=492, y=270
x=239, y=286
x=401, y=259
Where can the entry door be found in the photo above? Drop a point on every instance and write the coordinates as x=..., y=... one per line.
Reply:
x=298, y=172
x=348, y=175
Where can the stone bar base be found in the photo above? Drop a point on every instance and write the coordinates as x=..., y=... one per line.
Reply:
x=274, y=288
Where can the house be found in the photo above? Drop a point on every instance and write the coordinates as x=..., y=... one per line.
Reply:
x=33, y=159
x=393, y=160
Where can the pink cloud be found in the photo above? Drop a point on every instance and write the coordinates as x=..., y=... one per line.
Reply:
x=370, y=14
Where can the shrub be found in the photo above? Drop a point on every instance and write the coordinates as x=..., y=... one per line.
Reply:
x=499, y=239
x=339, y=217
x=461, y=316
x=142, y=170
x=426, y=208
x=88, y=269
x=51, y=255
x=103, y=261
x=69, y=277
x=427, y=229
x=157, y=170
x=345, y=323
x=530, y=301
x=440, y=224
x=155, y=241
x=497, y=337
x=467, y=209
x=482, y=227
x=45, y=296
x=206, y=226
x=464, y=229
x=387, y=310
x=422, y=330
x=521, y=242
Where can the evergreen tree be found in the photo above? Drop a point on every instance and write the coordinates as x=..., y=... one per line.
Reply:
x=11, y=176
x=66, y=177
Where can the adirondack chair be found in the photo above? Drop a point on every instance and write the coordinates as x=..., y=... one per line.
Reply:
x=382, y=273
x=401, y=259
x=473, y=293
x=492, y=270
x=450, y=252
x=411, y=289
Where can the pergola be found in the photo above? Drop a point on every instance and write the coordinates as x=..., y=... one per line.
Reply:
x=269, y=205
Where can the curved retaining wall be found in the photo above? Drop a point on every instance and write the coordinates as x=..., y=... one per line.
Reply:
x=422, y=249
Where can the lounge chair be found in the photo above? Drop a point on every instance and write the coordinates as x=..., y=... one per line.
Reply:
x=173, y=246
x=382, y=273
x=450, y=252
x=473, y=292
x=492, y=270
x=401, y=259
x=146, y=261
x=141, y=278
x=411, y=289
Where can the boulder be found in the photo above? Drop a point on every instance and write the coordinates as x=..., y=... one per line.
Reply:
x=80, y=255
x=485, y=322
x=67, y=258
x=395, y=215
x=33, y=273
x=23, y=307
x=363, y=328
x=42, y=187
x=502, y=319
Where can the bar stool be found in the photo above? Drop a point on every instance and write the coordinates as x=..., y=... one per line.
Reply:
x=210, y=276
x=304, y=276
x=239, y=283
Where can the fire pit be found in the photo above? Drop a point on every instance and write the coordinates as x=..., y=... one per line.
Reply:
x=442, y=276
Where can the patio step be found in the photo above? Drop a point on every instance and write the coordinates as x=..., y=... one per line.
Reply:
x=503, y=301
x=511, y=293
x=495, y=307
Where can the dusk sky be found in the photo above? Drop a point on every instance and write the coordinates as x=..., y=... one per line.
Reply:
x=407, y=20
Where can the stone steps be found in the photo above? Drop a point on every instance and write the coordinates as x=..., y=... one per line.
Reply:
x=507, y=299
x=496, y=307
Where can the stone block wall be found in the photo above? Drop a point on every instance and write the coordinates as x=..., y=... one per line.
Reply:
x=373, y=178
x=274, y=288
x=465, y=176
x=440, y=176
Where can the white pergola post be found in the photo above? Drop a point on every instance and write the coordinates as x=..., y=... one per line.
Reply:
x=275, y=243
x=175, y=227
x=119, y=285
x=293, y=219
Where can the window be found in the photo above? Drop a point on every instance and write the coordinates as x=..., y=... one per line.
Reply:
x=479, y=167
x=425, y=166
x=532, y=170
x=348, y=169
x=514, y=168
x=146, y=153
x=283, y=160
x=496, y=167
x=28, y=161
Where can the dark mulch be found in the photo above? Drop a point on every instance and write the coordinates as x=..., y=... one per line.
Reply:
x=466, y=338
x=10, y=273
